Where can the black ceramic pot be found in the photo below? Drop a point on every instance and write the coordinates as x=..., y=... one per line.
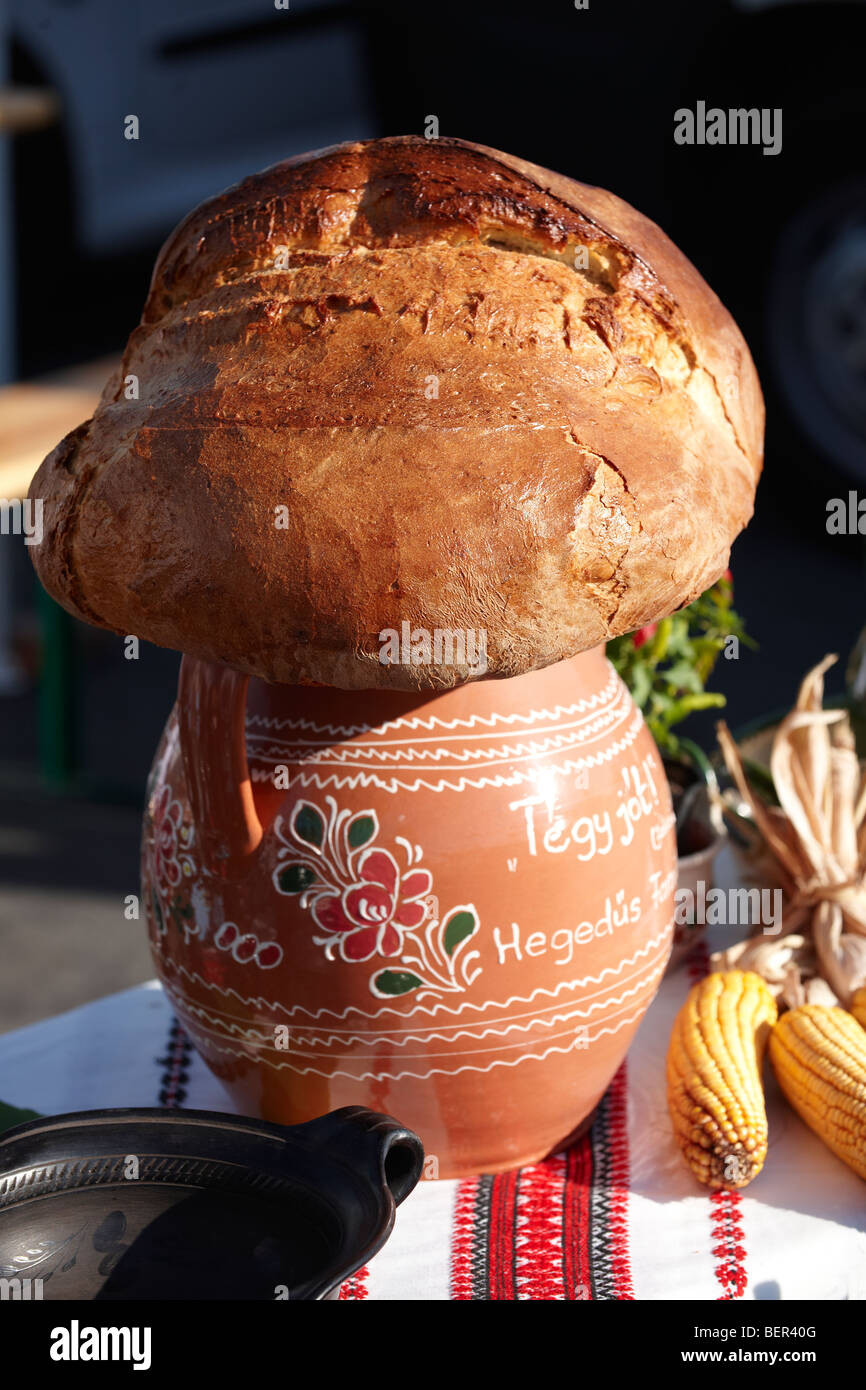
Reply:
x=191, y=1204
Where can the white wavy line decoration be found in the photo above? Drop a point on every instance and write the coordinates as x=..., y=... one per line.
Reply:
x=367, y=1039
x=434, y=722
x=230, y=1019
x=577, y=1044
x=466, y=1052
x=261, y=1041
x=351, y=782
x=257, y=1002
x=351, y=759
x=355, y=753
x=592, y=720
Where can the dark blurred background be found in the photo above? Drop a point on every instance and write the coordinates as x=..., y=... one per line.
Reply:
x=223, y=87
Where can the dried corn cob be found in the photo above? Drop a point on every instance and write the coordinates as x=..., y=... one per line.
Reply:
x=715, y=1096
x=819, y=1056
x=858, y=1005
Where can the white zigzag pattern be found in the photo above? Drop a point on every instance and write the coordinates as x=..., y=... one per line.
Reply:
x=229, y=1021
x=254, y=1037
x=407, y=753
x=591, y=720
x=256, y=1001
x=578, y=1043
x=433, y=722
x=395, y=784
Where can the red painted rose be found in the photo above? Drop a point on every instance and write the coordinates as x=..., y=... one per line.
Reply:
x=372, y=915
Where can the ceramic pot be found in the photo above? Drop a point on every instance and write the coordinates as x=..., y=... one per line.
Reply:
x=455, y=909
x=220, y=1207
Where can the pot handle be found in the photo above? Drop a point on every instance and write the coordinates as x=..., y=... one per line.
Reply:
x=385, y=1152
x=211, y=708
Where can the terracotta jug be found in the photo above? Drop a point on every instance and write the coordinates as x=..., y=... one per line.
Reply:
x=455, y=909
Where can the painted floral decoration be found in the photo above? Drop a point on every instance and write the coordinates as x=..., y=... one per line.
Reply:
x=366, y=904
x=372, y=915
x=172, y=862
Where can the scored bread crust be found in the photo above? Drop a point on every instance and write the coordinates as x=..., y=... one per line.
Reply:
x=407, y=381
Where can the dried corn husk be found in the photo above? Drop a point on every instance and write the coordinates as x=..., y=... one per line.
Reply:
x=817, y=839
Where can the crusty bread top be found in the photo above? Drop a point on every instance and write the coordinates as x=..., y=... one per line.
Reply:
x=407, y=381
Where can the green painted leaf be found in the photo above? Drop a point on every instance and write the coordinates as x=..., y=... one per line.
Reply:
x=294, y=878
x=393, y=982
x=308, y=825
x=457, y=928
x=361, y=831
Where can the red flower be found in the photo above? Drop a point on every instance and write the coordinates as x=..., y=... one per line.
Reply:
x=372, y=914
x=644, y=634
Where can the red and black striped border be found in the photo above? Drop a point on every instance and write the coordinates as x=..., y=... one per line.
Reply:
x=554, y=1230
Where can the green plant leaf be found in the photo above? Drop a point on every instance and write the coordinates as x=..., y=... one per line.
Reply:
x=640, y=684
x=689, y=703
x=308, y=825
x=659, y=644
x=457, y=926
x=294, y=878
x=11, y=1115
x=668, y=674
x=394, y=982
x=362, y=829
x=682, y=675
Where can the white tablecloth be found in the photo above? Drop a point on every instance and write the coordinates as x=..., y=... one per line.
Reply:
x=623, y=1208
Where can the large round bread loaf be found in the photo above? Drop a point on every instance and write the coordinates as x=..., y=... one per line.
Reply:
x=407, y=382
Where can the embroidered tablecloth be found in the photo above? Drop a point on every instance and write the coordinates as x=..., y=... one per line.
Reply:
x=616, y=1216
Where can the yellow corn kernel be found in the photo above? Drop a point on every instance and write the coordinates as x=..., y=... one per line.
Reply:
x=715, y=1095
x=819, y=1056
x=858, y=1006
